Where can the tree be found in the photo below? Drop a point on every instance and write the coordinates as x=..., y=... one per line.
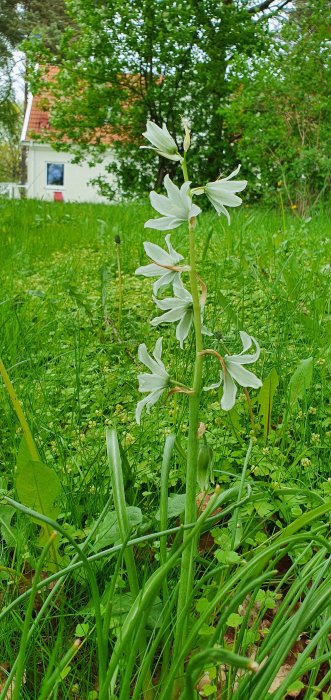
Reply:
x=18, y=21
x=157, y=59
x=279, y=112
x=10, y=151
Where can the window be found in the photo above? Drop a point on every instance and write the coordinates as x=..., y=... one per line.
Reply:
x=55, y=174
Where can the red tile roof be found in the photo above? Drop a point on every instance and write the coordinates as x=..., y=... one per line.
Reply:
x=37, y=118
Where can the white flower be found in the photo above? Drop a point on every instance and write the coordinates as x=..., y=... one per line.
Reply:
x=221, y=193
x=176, y=207
x=162, y=265
x=178, y=308
x=161, y=141
x=234, y=371
x=155, y=383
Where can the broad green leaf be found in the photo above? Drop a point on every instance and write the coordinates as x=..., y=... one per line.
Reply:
x=234, y=620
x=265, y=398
x=202, y=605
x=6, y=530
x=300, y=380
x=24, y=455
x=38, y=487
x=209, y=689
x=109, y=532
x=176, y=506
x=82, y=629
x=263, y=508
x=227, y=557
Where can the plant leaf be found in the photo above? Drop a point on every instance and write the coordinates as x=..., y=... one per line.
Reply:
x=176, y=506
x=300, y=380
x=109, y=532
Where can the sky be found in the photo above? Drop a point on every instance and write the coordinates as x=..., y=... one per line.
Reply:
x=17, y=75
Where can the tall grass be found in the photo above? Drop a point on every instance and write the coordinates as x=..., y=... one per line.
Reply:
x=263, y=570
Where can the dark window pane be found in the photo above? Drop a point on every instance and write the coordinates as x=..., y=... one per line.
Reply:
x=55, y=174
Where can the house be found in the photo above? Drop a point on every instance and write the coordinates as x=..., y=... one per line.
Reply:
x=51, y=175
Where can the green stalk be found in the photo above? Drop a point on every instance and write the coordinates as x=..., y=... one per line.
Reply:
x=54, y=590
x=56, y=675
x=115, y=466
x=119, y=281
x=241, y=488
x=187, y=564
x=166, y=462
x=21, y=657
x=89, y=573
x=20, y=413
x=30, y=443
x=147, y=595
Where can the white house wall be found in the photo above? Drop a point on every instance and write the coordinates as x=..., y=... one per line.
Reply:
x=75, y=188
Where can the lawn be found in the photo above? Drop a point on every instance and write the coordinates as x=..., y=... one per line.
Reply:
x=72, y=316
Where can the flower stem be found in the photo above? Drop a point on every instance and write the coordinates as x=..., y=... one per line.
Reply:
x=187, y=563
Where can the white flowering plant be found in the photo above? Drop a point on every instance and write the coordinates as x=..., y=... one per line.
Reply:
x=184, y=307
x=180, y=296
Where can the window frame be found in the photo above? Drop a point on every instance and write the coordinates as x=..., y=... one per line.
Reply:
x=54, y=186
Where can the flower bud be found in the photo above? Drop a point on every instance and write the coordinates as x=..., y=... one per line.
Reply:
x=187, y=137
x=205, y=463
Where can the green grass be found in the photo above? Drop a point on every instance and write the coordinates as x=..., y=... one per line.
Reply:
x=75, y=372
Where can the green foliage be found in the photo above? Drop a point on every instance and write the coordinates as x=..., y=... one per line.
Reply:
x=279, y=111
x=265, y=399
x=263, y=578
x=149, y=59
x=301, y=380
x=38, y=487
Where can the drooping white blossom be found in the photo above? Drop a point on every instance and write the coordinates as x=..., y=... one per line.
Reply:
x=234, y=373
x=162, y=142
x=176, y=208
x=178, y=308
x=162, y=264
x=155, y=383
x=221, y=193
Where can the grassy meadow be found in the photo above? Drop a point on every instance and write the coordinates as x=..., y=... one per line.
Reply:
x=71, y=323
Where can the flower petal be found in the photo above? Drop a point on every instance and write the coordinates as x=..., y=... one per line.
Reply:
x=147, y=360
x=148, y=401
x=216, y=385
x=151, y=270
x=234, y=173
x=221, y=195
x=184, y=327
x=235, y=186
x=162, y=204
x=160, y=138
x=219, y=208
x=194, y=211
x=157, y=352
x=178, y=197
x=157, y=254
x=166, y=223
x=229, y=392
x=243, y=359
x=172, y=252
x=242, y=375
x=171, y=303
x=151, y=382
x=164, y=280
x=169, y=317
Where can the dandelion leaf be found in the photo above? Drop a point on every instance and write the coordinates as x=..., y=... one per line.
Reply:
x=300, y=380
